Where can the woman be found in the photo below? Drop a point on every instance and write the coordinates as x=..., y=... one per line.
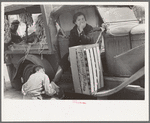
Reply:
x=78, y=36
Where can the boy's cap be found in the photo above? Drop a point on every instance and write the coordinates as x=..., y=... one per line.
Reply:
x=15, y=22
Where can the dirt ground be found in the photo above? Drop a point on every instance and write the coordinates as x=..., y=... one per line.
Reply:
x=128, y=93
x=11, y=93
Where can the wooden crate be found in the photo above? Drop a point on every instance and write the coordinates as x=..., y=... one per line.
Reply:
x=86, y=68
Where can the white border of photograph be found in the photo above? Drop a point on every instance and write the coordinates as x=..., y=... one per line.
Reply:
x=58, y=110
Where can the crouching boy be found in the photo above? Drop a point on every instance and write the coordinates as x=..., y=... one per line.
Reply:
x=39, y=84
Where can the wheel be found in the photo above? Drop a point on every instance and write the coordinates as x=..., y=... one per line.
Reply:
x=27, y=72
x=15, y=82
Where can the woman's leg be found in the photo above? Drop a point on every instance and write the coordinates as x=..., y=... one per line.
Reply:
x=58, y=74
x=64, y=64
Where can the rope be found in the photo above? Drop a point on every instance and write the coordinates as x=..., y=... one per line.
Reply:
x=62, y=31
x=27, y=51
x=100, y=34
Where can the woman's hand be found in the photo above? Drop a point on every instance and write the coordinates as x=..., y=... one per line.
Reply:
x=82, y=26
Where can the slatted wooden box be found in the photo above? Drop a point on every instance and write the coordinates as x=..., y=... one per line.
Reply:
x=86, y=68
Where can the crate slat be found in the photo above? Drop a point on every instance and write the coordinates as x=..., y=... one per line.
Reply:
x=82, y=71
x=74, y=71
x=97, y=68
x=94, y=70
x=90, y=69
x=100, y=68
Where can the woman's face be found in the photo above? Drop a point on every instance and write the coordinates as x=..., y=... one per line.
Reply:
x=80, y=20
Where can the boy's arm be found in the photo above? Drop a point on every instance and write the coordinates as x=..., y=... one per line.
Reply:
x=49, y=90
x=22, y=90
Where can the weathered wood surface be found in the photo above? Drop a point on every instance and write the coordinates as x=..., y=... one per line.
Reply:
x=88, y=67
x=90, y=71
x=82, y=72
x=74, y=69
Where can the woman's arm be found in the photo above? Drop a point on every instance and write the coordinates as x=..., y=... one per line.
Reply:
x=82, y=38
x=85, y=39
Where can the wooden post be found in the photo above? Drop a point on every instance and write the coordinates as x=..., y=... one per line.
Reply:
x=46, y=16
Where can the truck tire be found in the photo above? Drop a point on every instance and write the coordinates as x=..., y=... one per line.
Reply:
x=16, y=84
x=27, y=72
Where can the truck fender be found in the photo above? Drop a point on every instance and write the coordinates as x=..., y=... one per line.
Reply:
x=35, y=59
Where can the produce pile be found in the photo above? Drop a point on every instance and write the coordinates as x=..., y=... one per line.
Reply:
x=7, y=33
x=40, y=29
x=26, y=18
x=139, y=12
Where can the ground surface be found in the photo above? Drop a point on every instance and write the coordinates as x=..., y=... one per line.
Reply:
x=129, y=93
x=11, y=93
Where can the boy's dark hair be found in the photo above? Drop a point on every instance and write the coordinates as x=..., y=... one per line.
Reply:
x=76, y=15
x=37, y=68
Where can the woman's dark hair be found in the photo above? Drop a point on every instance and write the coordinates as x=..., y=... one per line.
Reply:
x=76, y=15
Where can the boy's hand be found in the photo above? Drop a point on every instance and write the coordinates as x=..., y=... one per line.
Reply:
x=54, y=85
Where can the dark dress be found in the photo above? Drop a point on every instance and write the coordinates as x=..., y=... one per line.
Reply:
x=15, y=38
x=74, y=40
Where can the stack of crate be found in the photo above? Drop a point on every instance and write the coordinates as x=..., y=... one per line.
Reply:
x=86, y=68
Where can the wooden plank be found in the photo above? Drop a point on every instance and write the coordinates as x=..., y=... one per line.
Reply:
x=82, y=71
x=94, y=70
x=74, y=69
x=47, y=30
x=100, y=68
x=86, y=78
x=98, y=58
x=79, y=65
x=131, y=60
x=90, y=70
x=97, y=68
x=88, y=46
x=23, y=52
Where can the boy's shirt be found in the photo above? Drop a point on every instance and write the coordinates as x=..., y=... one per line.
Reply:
x=36, y=84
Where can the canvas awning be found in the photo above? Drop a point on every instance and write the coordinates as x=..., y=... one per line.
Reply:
x=65, y=8
x=16, y=9
x=106, y=11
